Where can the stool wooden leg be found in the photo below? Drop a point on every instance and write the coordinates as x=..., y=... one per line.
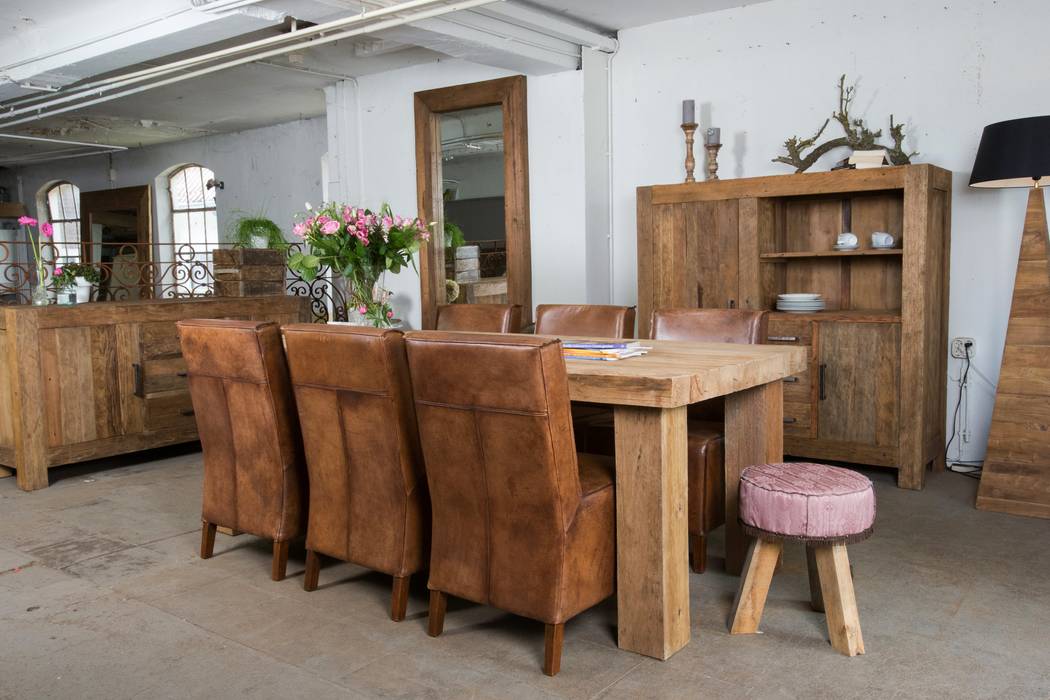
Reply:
x=840, y=602
x=553, y=637
x=754, y=586
x=207, y=539
x=399, y=598
x=280, y=560
x=816, y=598
x=437, y=613
x=698, y=553
x=313, y=570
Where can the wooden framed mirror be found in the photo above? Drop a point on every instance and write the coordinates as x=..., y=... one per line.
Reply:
x=117, y=234
x=474, y=129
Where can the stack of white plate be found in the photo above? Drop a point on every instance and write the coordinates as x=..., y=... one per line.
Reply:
x=800, y=303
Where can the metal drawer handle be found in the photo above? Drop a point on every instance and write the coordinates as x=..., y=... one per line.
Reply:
x=823, y=393
x=182, y=374
x=186, y=412
x=783, y=338
x=790, y=420
x=140, y=389
x=791, y=380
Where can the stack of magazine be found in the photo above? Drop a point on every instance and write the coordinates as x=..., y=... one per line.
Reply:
x=603, y=351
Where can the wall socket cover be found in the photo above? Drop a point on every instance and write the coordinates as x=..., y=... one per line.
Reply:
x=959, y=348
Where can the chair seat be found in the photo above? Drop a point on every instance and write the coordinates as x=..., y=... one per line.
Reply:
x=805, y=501
x=596, y=472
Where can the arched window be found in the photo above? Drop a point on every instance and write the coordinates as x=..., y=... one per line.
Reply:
x=63, y=211
x=193, y=218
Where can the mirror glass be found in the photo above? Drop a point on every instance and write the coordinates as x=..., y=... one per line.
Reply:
x=472, y=185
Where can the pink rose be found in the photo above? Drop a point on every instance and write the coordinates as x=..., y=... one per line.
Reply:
x=330, y=226
x=27, y=221
x=299, y=229
x=46, y=229
x=58, y=271
x=362, y=309
x=390, y=314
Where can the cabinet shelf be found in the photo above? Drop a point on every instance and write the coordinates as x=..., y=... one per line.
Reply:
x=846, y=315
x=801, y=255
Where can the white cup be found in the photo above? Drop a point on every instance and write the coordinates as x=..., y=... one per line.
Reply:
x=881, y=239
x=847, y=239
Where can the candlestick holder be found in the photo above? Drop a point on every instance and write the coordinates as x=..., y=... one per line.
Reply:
x=690, y=163
x=712, y=160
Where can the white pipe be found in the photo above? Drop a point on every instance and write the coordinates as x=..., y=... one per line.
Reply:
x=50, y=157
x=378, y=26
x=119, y=81
x=62, y=141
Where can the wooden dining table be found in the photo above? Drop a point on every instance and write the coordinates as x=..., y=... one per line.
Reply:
x=649, y=396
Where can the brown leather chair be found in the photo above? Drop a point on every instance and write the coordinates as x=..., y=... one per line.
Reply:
x=254, y=471
x=479, y=318
x=520, y=521
x=367, y=487
x=585, y=320
x=706, y=437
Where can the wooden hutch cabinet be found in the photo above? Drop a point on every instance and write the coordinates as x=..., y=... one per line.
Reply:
x=875, y=390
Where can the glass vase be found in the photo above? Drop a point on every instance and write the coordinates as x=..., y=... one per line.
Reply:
x=366, y=299
x=40, y=295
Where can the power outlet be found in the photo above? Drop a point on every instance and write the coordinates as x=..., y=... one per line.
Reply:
x=961, y=351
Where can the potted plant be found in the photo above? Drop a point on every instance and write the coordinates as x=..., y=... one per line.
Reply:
x=80, y=276
x=256, y=232
x=360, y=246
x=40, y=294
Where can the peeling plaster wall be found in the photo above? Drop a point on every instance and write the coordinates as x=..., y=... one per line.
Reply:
x=769, y=71
x=272, y=170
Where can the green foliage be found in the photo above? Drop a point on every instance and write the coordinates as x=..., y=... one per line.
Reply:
x=69, y=273
x=245, y=227
x=454, y=237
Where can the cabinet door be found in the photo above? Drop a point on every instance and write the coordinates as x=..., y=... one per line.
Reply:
x=860, y=387
x=712, y=254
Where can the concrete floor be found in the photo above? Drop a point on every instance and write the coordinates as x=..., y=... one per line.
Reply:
x=102, y=595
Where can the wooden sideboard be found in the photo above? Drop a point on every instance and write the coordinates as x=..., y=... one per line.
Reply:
x=875, y=389
x=94, y=380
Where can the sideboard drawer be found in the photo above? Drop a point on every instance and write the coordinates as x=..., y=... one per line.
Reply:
x=798, y=418
x=785, y=331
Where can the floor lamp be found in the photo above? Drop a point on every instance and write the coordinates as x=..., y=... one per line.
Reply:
x=1016, y=474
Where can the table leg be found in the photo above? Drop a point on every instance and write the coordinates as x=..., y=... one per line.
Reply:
x=652, y=549
x=754, y=435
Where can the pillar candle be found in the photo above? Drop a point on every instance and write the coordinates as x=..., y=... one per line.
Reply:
x=714, y=137
x=688, y=112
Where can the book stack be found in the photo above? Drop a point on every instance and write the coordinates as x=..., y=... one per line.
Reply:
x=870, y=159
x=607, y=352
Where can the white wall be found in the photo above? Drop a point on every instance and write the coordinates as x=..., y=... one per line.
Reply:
x=766, y=72
x=477, y=176
x=272, y=170
x=387, y=162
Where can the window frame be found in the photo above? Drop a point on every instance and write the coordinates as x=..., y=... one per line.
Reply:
x=78, y=241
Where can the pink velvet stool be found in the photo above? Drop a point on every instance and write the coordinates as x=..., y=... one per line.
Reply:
x=821, y=506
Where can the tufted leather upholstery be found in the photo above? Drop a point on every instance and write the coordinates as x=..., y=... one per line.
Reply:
x=520, y=523
x=254, y=472
x=367, y=486
x=585, y=320
x=479, y=318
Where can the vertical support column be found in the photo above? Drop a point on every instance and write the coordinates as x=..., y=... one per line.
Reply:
x=27, y=389
x=652, y=550
x=754, y=435
x=597, y=153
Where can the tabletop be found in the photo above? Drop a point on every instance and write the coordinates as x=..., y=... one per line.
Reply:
x=676, y=373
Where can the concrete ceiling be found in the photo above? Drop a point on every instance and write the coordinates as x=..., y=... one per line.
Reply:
x=114, y=36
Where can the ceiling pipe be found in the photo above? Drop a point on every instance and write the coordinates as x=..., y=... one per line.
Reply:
x=43, y=112
x=123, y=80
x=65, y=142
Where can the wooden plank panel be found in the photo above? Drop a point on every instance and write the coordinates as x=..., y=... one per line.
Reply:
x=7, y=428
x=646, y=261
x=104, y=371
x=77, y=384
x=51, y=377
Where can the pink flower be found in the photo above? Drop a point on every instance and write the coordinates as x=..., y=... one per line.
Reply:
x=299, y=229
x=330, y=226
x=58, y=271
x=362, y=309
x=46, y=229
x=27, y=221
x=390, y=314
x=387, y=223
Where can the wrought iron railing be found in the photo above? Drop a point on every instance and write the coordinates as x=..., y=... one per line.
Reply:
x=130, y=271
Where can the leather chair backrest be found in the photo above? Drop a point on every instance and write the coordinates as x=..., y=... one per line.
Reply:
x=710, y=325
x=479, y=318
x=254, y=475
x=368, y=490
x=585, y=320
x=496, y=430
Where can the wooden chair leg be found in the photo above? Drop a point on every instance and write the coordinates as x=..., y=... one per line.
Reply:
x=698, y=553
x=280, y=561
x=399, y=598
x=754, y=586
x=816, y=598
x=553, y=637
x=207, y=539
x=313, y=570
x=840, y=602
x=436, y=623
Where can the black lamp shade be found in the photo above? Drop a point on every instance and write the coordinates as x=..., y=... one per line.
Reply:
x=1014, y=153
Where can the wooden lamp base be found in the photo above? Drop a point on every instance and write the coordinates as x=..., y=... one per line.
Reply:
x=1016, y=474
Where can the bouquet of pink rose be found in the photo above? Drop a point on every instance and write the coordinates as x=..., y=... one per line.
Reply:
x=360, y=245
x=45, y=230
